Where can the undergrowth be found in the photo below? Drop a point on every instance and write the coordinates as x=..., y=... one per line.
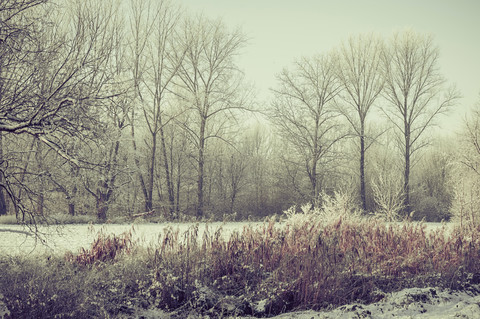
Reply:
x=257, y=271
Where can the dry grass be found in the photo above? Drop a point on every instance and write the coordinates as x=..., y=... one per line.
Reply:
x=316, y=264
x=312, y=264
x=105, y=248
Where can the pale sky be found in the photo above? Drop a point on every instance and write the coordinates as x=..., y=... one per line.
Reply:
x=281, y=31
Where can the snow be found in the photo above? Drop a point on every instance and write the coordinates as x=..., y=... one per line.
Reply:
x=427, y=303
x=18, y=240
x=409, y=303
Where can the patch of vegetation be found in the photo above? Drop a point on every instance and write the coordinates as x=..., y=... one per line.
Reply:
x=307, y=262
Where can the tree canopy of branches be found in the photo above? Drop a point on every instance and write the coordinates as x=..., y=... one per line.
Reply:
x=52, y=72
x=359, y=71
x=415, y=91
x=304, y=113
x=210, y=84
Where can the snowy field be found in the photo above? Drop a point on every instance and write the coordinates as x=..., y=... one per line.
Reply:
x=16, y=240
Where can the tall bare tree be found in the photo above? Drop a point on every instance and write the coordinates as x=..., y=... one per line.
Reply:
x=162, y=67
x=303, y=111
x=359, y=71
x=210, y=83
x=141, y=27
x=415, y=91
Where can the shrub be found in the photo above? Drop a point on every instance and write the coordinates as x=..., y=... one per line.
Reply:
x=104, y=248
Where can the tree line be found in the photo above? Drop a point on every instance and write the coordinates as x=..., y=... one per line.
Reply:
x=118, y=107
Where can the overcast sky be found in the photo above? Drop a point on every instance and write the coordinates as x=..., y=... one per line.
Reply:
x=281, y=31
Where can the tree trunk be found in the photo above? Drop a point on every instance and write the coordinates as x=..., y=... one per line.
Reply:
x=3, y=202
x=168, y=175
x=406, y=185
x=232, y=202
x=40, y=204
x=71, y=209
x=153, y=158
x=313, y=181
x=71, y=199
x=101, y=209
x=102, y=203
x=201, y=164
x=137, y=164
x=363, y=196
x=179, y=180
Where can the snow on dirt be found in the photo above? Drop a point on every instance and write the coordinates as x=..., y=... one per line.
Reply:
x=427, y=303
x=409, y=303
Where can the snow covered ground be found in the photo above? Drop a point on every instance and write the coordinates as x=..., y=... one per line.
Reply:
x=409, y=303
x=17, y=240
x=431, y=303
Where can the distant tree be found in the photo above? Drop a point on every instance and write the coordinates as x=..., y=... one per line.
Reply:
x=466, y=202
x=415, y=91
x=385, y=175
x=359, y=72
x=141, y=27
x=304, y=113
x=210, y=84
x=433, y=181
x=162, y=67
x=261, y=168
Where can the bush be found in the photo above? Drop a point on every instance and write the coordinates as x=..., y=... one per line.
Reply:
x=104, y=248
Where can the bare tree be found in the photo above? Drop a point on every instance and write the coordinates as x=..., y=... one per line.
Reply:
x=304, y=113
x=466, y=201
x=258, y=149
x=359, y=71
x=385, y=174
x=162, y=67
x=52, y=73
x=414, y=88
x=210, y=84
x=141, y=27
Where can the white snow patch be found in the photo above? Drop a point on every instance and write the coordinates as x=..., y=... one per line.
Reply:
x=425, y=303
x=432, y=303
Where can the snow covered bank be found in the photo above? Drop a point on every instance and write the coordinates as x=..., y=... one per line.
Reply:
x=409, y=303
x=428, y=303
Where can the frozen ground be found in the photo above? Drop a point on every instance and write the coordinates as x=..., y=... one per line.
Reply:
x=409, y=303
x=432, y=303
x=16, y=239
